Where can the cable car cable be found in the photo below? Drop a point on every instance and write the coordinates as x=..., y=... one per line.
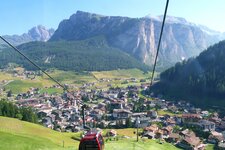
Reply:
x=160, y=37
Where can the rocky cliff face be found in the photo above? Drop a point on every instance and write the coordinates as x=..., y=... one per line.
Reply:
x=38, y=33
x=139, y=36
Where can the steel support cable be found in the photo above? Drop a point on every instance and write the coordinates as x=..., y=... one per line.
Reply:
x=28, y=59
x=160, y=37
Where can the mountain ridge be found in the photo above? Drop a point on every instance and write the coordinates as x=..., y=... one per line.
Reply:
x=138, y=36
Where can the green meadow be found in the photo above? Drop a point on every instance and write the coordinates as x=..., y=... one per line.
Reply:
x=16, y=134
x=20, y=84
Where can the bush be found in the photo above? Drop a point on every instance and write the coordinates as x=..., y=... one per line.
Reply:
x=19, y=116
x=142, y=80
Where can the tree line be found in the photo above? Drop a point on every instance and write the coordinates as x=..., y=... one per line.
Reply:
x=8, y=109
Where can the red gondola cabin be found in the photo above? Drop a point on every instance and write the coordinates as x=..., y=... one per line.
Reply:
x=92, y=141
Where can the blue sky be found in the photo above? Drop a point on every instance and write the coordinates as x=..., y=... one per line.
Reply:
x=17, y=16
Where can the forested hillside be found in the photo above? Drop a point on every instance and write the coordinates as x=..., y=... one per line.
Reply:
x=88, y=55
x=200, y=80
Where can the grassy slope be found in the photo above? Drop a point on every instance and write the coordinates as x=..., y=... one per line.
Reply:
x=22, y=85
x=5, y=76
x=12, y=141
x=18, y=85
x=122, y=73
x=23, y=135
x=71, y=77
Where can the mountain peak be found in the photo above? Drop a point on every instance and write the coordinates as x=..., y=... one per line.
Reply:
x=81, y=15
x=37, y=33
x=40, y=33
